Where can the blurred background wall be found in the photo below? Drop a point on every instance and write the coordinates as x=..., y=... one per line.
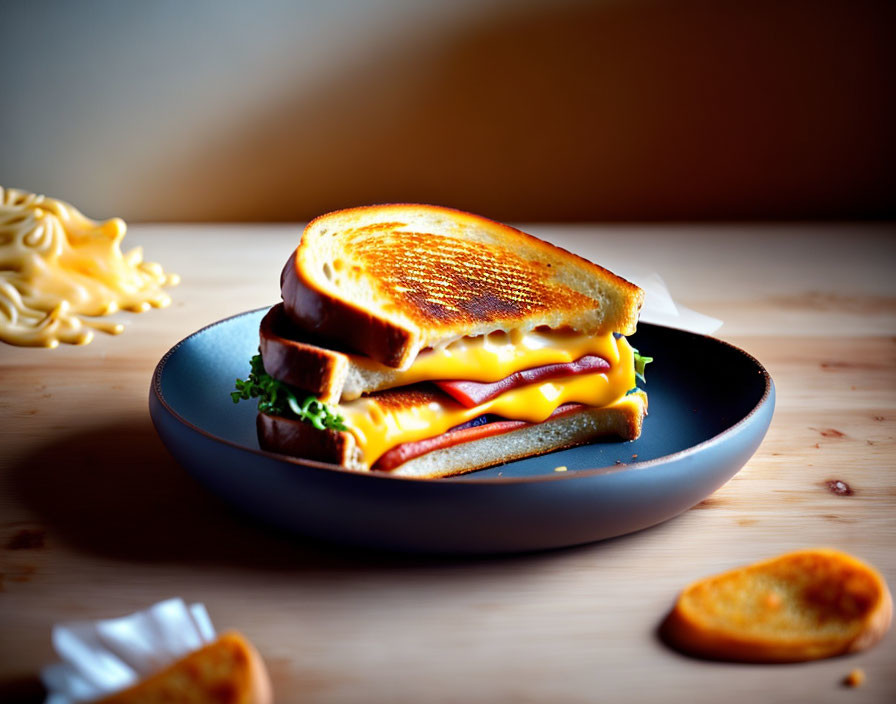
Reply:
x=518, y=109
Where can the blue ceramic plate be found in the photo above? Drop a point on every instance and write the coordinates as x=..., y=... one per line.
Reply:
x=710, y=406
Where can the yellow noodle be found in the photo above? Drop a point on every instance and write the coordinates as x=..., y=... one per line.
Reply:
x=60, y=270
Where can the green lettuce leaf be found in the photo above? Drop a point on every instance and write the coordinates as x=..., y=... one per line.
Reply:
x=641, y=361
x=276, y=398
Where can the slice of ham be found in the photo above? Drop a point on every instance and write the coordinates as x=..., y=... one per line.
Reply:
x=473, y=393
x=467, y=432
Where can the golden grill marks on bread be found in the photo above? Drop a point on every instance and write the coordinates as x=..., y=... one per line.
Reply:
x=803, y=605
x=389, y=281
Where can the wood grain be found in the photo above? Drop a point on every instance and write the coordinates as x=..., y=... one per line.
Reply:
x=97, y=520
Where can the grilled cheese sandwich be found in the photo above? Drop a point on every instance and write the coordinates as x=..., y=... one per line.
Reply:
x=505, y=330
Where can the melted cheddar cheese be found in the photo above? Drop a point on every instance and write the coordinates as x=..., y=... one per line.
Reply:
x=58, y=266
x=377, y=429
x=488, y=358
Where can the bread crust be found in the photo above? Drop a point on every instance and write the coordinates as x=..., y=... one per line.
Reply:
x=338, y=320
x=521, y=282
x=297, y=438
x=309, y=367
x=804, y=605
x=292, y=356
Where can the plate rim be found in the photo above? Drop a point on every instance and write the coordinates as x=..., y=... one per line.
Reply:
x=768, y=384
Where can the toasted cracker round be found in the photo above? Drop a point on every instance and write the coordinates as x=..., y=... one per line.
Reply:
x=803, y=605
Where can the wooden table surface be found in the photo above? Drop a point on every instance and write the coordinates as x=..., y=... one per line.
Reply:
x=96, y=520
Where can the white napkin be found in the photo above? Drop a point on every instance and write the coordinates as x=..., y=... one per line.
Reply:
x=102, y=657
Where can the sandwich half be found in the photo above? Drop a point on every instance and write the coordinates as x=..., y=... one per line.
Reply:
x=427, y=342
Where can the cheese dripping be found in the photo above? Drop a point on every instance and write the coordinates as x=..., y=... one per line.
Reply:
x=59, y=270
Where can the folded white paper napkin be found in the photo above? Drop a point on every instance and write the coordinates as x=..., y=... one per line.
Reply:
x=102, y=657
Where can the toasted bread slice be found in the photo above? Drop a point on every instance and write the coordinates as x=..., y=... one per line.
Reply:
x=391, y=280
x=228, y=671
x=800, y=606
x=622, y=419
x=302, y=440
